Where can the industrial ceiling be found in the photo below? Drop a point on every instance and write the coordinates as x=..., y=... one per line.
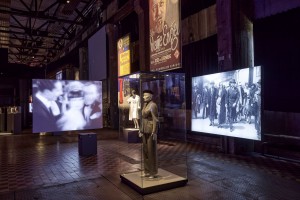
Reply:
x=36, y=31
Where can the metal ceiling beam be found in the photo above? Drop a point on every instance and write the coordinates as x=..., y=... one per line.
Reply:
x=57, y=43
x=77, y=36
x=25, y=58
x=27, y=41
x=35, y=15
x=38, y=42
x=87, y=6
x=14, y=37
x=41, y=26
x=66, y=31
x=25, y=5
x=80, y=14
x=35, y=5
x=24, y=33
x=49, y=7
x=33, y=47
x=20, y=24
x=27, y=55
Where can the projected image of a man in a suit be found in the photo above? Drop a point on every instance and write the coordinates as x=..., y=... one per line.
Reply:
x=46, y=108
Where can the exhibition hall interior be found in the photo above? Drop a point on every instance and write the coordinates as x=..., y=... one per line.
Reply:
x=149, y=99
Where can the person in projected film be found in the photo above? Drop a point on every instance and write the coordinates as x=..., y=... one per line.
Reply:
x=46, y=107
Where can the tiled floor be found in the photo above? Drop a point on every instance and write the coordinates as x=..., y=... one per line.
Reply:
x=49, y=167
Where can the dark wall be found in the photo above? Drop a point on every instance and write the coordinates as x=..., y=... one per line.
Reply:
x=198, y=58
x=10, y=77
x=190, y=7
x=70, y=59
x=277, y=50
x=19, y=71
x=3, y=56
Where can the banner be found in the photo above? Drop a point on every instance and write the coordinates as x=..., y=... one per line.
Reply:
x=124, y=56
x=165, y=36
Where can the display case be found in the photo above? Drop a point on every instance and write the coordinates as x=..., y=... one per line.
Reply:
x=152, y=117
x=14, y=119
x=2, y=119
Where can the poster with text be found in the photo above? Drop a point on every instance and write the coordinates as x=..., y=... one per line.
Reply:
x=124, y=56
x=165, y=36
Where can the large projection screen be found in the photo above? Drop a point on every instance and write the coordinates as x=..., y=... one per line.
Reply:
x=228, y=103
x=97, y=55
x=65, y=105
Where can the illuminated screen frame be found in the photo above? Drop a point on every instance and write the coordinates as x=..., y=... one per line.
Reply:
x=230, y=116
x=66, y=105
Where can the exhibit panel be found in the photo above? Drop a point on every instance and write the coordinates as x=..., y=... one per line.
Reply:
x=66, y=105
x=152, y=131
x=228, y=103
x=14, y=119
x=2, y=119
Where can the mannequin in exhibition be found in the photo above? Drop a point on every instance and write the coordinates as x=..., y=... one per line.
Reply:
x=134, y=107
x=148, y=132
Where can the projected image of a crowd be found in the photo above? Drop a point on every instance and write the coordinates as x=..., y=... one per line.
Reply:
x=228, y=104
x=66, y=105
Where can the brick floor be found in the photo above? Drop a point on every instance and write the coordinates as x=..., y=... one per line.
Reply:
x=49, y=167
